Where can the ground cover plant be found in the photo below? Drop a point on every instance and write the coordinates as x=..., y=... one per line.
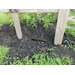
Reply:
x=46, y=58
x=29, y=52
x=3, y=52
x=30, y=18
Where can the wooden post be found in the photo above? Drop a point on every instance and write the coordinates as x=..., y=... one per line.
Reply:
x=56, y=17
x=61, y=24
x=35, y=15
x=17, y=25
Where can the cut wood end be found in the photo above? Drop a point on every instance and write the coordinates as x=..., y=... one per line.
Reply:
x=20, y=37
x=57, y=44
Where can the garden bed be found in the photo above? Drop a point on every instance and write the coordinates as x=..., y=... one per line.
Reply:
x=27, y=47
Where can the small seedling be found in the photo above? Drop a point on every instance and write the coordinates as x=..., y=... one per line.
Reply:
x=70, y=44
x=0, y=26
x=51, y=49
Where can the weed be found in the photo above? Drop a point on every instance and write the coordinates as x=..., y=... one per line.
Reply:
x=3, y=52
x=70, y=30
x=40, y=59
x=69, y=23
x=47, y=18
x=0, y=26
x=51, y=49
x=71, y=13
x=70, y=44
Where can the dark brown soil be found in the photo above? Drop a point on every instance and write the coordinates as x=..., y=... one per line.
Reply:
x=26, y=46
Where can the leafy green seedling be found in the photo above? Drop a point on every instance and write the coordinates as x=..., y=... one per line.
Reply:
x=13, y=51
x=70, y=44
x=0, y=26
x=3, y=52
x=51, y=49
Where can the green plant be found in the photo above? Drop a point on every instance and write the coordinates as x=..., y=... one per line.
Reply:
x=46, y=58
x=47, y=18
x=69, y=23
x=0, y=26
x=66, y=60
x=5, y=18
x=70, y=30
x=70, y=44
x=71, y=13
x=3, y=52
x=31, y=20
x=51, y=49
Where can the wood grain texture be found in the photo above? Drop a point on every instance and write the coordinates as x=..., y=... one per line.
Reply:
x=38, y=10
x=61, y=24
x=32, y=10
x=17, y=25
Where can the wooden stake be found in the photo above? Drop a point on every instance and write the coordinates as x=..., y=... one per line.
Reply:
x=61, y=24
x=56, y=17
x=17, y=25
x=35, y=15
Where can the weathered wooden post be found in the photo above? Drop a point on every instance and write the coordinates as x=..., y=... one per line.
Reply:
x=35, y=15
x=17, y=25
x=61, y=24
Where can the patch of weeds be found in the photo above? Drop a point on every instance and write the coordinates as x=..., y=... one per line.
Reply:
x=51, y=49
x=3, y=52
x=47, y=18
x=31, y=21
x=70, y=44
x=11, y=60
x=66, y=60
x=0, y=26
x=13, y=50
x=46, y=58
x=69, y=23
x=70, y=30
x=71, y=13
